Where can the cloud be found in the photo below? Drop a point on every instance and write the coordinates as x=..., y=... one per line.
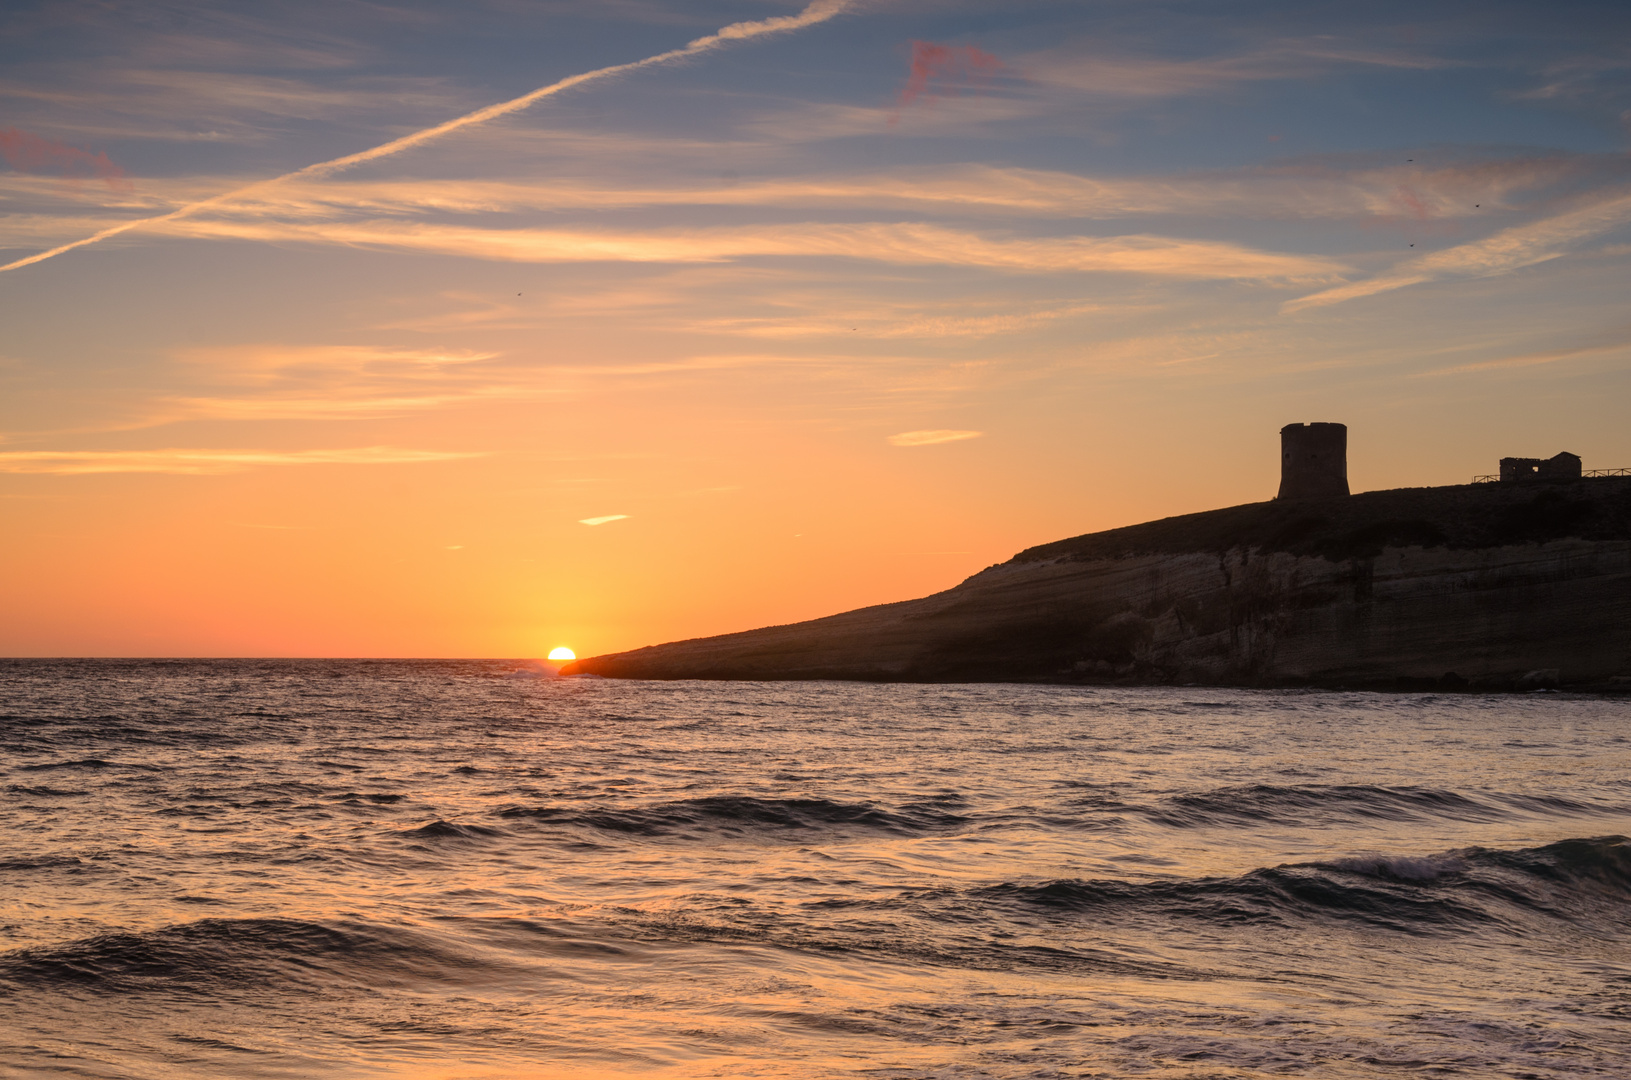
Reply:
x=1508, y=250
x=31, y=153
x=1584, y=79
x=198, y=462
x=879, y=321
x=816, y=12
x=323, y=408
x=952, y=67
x=904, y=243
x=1318, y=188
x=329, y=358
x=603, y=520
x=1533, y=359
x=317, y=393
x=330, y=212
x=187, y=105
x=233, y=105
x=1084, y=84
x=820, y=121
x=931, y=438
x=335, y=382
x=1123, y=76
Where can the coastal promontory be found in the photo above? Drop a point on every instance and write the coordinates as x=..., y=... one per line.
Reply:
x=1504, y=585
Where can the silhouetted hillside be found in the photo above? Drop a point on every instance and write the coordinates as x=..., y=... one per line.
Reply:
x=1488, y=585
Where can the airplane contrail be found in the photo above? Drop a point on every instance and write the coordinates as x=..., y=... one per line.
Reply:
x=817, y=12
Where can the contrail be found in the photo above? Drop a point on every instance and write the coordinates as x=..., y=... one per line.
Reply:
x=817, y=12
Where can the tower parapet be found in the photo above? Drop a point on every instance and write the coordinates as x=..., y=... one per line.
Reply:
x=1313, y=461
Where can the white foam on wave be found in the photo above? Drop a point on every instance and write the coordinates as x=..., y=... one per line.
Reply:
x=1403, y=867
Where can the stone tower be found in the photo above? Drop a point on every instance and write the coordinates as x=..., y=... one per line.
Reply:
x=1313, y=461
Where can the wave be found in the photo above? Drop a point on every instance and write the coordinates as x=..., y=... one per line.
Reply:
x=741, y=815
x=1585, y=882
x=1581, y=888
x=1268, y=804
x=84, y=763
x=230, y=958
x=39, y=862
x=448, y=830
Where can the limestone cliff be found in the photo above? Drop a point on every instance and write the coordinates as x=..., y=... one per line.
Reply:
x=1477, y=585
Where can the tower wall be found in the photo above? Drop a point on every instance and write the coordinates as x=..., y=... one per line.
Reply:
x=1564, y=466
x=1313, y=461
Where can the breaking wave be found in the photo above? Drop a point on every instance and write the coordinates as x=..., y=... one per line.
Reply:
x=1585, y=882
x=740, y=815
x=448, y=830
x=229, y=958
x=1267, y=804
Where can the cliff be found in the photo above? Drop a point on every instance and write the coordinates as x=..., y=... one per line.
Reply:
x=1478, y=585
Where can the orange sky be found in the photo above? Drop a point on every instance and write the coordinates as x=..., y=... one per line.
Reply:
x=367, y=413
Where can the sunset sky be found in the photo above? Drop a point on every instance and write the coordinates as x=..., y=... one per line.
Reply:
x=827, y=311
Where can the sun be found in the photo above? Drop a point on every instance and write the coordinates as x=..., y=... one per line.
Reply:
x=562, y=653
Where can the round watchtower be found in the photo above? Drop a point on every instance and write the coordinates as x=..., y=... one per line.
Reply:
x=1313, y=461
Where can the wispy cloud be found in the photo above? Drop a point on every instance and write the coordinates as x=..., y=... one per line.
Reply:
x=1534, y=359
x=334, y=382
x=934, y=69
x=603, y=520
x=1306, y=189
x=222, y=98
x=878, y=321
x=231, y=105
x=322, y=394
x=1083, y=81
x=1584, y=77
x=816, y=12
x=1118, y=75
x=931, y=438
x=322, y=408
x=902, y=243
x=198, y=462
x=814, y=122
x=26, y=152
x=1508, y=250
x=413, y=214
x=283, y=358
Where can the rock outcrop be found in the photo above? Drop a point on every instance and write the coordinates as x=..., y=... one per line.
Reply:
x=1486, y=585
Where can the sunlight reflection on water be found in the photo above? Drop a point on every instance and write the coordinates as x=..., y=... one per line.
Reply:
x=426, y=869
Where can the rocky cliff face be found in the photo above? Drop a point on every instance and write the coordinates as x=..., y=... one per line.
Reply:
x=1342, y=592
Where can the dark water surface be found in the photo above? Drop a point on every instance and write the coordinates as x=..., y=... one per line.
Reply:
x=430, y=869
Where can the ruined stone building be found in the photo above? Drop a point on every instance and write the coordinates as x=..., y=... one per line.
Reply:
x=1314, y=461
x=1564, y=466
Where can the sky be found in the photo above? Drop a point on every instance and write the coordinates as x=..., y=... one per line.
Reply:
x=795, y=309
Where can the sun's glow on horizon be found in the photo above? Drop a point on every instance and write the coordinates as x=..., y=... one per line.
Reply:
x=562, y=653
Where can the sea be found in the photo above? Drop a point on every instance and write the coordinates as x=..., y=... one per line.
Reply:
x=470, y=869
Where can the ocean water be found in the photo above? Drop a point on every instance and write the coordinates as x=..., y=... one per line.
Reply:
x=450, y=869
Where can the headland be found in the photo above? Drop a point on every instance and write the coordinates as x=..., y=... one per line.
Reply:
x=1497, y=586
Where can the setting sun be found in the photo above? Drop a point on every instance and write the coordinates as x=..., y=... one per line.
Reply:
x=562, y=653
